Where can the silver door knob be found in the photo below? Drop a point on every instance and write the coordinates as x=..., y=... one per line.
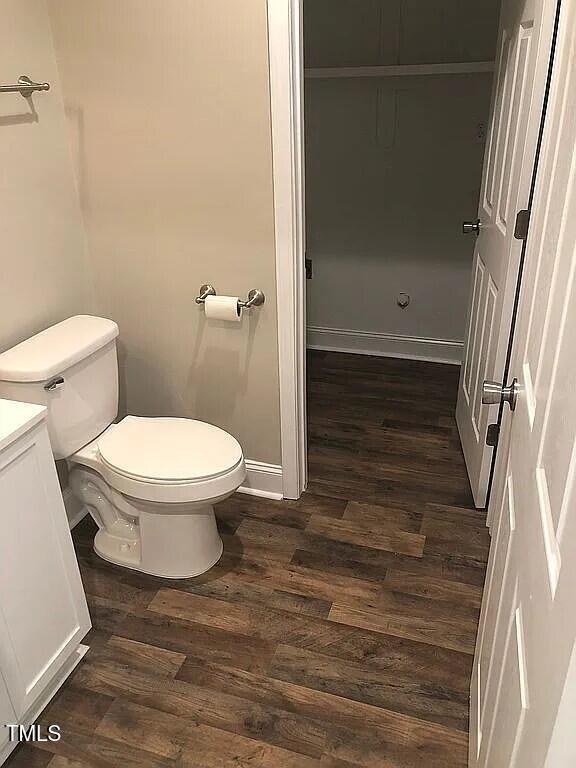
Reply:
x=469, y=227
x=494, y=393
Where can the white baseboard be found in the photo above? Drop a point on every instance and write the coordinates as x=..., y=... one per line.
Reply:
x=262, y=480
x=75, y=511
x=385, y=345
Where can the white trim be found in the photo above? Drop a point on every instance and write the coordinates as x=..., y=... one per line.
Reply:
x=75, y=511
x=386, y=345
x=400, y=70
x=263, y=480
x=286, y=93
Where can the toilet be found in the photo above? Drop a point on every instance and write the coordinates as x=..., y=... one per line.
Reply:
x=149, y=483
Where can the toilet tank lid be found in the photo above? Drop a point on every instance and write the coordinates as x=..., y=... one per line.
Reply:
x=55, y=349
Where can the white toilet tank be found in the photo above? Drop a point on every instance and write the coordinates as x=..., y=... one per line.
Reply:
x=72, y=369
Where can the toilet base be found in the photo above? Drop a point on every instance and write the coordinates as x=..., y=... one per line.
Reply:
x=169, y=546
x=127, y=555
x=174, y=541
x=117, y=550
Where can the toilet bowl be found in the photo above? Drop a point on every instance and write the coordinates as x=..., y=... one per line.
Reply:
x=149, y=483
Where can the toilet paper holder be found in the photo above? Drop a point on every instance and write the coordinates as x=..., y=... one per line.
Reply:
x=255, y=297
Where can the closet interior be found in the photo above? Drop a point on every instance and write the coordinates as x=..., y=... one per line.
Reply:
x=397, y=97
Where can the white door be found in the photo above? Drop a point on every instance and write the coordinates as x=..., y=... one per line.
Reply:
x=43, y=611
x=528, y=621
x=522, y=61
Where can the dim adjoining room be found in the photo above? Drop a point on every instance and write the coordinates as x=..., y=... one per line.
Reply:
x=287, y=445
x=397, y=100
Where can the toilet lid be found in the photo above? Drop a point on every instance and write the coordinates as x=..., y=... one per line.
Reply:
x=169, y=450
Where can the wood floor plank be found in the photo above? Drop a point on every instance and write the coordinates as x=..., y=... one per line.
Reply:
x=433, y=587
x=97, y=751
x=195, y=704
x=337, y=630
x=454, y=527
x=65, y=762
x=136, y=726
x=360, y=682
x=244, y=581
x=28, y=756
x=107, y=615
x=372, y=565
x=139, y=656
x=385, y=654
x=109, y=586
x=291, y=578
x=287, y=513
x=349, y=723
x=328, y=761
x=470, y=554
x=193, y=744
x=192, y=637
x=445, y=631
x=457, y=516
x=301, y=604
x=211, y=749
x=444, y=536
x=271, y=624
x=392, y=518
x=449, y=750
x=339, y=639
x=337, y=557
x=72, y=709
x=364, y=533
x=261, y=540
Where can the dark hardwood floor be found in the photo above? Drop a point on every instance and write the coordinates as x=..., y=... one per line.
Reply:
x=337, y=631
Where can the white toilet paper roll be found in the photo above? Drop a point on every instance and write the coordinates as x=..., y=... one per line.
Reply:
x=223, y=308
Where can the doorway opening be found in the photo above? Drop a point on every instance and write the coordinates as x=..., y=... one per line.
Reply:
x=397, y=98
x=397, y=101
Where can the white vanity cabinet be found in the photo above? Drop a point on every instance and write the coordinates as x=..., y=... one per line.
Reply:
x=43, y=611
x=7, y=715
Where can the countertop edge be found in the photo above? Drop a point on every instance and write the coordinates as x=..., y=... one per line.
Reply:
x=17, y=418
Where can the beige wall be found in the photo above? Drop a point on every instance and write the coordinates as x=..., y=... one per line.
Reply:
x=168, y=111
x=43, y=262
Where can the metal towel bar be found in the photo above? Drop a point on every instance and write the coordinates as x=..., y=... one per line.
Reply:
x=25, y=87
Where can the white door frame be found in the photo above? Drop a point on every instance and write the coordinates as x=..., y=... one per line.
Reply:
x=286, y=93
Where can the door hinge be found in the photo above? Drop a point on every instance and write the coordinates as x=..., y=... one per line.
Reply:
x=308, y=265
x=522, y=224
x=492, y=435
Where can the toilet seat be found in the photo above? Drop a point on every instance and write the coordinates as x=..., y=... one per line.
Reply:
x=166, y=460
x=168, y=450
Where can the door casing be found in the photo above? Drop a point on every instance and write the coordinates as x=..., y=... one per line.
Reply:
x=285, y=42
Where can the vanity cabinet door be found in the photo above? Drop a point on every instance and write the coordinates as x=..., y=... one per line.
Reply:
x=43, y=611
x=7, y=715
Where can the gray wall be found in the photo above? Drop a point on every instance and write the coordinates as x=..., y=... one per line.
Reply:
x=44, y=275
x=394, y=164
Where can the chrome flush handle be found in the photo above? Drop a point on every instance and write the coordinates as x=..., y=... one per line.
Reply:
x=56, y=383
